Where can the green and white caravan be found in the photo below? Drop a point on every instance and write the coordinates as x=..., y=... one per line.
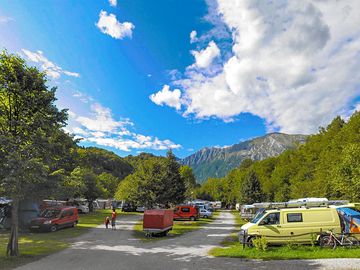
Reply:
x=282, y=223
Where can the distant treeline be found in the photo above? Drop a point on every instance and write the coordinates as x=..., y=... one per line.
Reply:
x=327, y=165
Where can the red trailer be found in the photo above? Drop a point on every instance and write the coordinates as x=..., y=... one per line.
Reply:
x=158, y=222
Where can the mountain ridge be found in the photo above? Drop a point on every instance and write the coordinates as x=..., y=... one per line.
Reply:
x=218, y=161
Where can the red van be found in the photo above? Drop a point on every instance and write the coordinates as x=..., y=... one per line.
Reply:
x=52, y=219
x=186, y=212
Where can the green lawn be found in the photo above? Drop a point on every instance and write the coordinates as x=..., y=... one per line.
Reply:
x=284, y=252
x=179, y=228
x=232, y=248
x=35, y=245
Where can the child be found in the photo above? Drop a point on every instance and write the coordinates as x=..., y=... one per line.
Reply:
x=107, y=222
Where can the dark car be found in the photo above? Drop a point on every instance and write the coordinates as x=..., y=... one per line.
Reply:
x=52, y=219
x=128, y=207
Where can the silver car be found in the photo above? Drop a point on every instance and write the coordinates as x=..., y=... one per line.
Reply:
x=205, y=213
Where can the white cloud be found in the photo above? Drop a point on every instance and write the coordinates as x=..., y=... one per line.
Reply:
x=108, y=24
x=193, y=36
x=294, y=64
x=84, y=98
x=113, y=3
x=5, y=19
x=101, y=120
x=167, y=97
x=205, y=57
x=51, y=69
x=101, y=128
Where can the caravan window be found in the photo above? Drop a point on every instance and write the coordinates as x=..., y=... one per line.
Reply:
x=295, y=217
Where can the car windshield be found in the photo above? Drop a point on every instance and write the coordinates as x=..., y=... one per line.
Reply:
x=258, y=216
x=50, y=213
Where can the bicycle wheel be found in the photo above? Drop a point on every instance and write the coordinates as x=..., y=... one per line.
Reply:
x=354, y=241
x=327, y=242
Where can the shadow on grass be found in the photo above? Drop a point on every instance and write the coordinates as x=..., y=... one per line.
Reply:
x=35, y=245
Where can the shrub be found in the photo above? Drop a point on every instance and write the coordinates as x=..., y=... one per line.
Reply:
x=260, y=243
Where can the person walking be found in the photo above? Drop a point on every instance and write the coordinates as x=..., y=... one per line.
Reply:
x=113, y=219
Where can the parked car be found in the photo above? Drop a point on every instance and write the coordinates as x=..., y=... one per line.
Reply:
x=216, y=205
x=53, y=219
x=296, y=224
x=81, y=204
x=140, y=209
x=128, y=207
x=186, y=212
x=204, y=213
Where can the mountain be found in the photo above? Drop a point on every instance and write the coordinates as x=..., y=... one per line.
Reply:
x=217, y=161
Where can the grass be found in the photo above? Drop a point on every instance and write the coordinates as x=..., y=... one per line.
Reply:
x=179, y=228
x=33, y=246
x=236, y=250
x=232, y=248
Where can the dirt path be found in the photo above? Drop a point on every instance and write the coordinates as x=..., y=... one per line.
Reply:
x=107, y=249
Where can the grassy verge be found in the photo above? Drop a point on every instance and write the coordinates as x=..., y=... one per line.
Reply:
x=36, y=245
x=284, y=252
x=232, y=248
x=179, y=228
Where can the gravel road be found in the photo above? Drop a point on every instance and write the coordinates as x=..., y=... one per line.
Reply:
x=107, y=249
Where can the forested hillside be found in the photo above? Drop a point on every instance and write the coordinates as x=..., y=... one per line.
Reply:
x=327, y=165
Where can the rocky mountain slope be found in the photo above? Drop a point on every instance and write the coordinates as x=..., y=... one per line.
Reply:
x=217, y=162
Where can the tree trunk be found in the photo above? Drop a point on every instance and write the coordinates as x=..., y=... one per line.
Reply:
x=13, y=245
x=91, y=207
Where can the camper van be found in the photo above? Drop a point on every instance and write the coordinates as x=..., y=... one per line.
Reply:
x=279, y=226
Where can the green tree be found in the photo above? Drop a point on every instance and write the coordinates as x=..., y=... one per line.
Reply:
x=146, y=185
x=29, y=123
x=347, y=174
x=251, y=191
x=173, y=188
x=155, y=180
x=88, y=185
x=188, y=177
x=109, y=184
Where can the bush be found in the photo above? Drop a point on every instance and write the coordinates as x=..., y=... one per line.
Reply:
x=260, y=243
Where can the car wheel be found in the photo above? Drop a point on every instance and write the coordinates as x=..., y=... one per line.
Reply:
x=205, y=216
x=192, y=218
x=53, y=228
x=250, y=242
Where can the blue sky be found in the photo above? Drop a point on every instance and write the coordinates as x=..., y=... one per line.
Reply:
x=134, y=80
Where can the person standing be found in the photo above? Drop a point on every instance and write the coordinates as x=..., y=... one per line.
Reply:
x=107, y=222
x=113, y=219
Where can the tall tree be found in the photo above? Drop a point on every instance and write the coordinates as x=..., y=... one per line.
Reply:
x=88, y=185
x=188, y=177
x=28, y=121
x=173, y=190
x=155, y=181
x=251, y=191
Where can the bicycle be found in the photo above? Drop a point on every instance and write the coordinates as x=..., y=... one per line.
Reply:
x=331, y=240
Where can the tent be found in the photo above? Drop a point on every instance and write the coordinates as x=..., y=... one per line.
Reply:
x=350, y=220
